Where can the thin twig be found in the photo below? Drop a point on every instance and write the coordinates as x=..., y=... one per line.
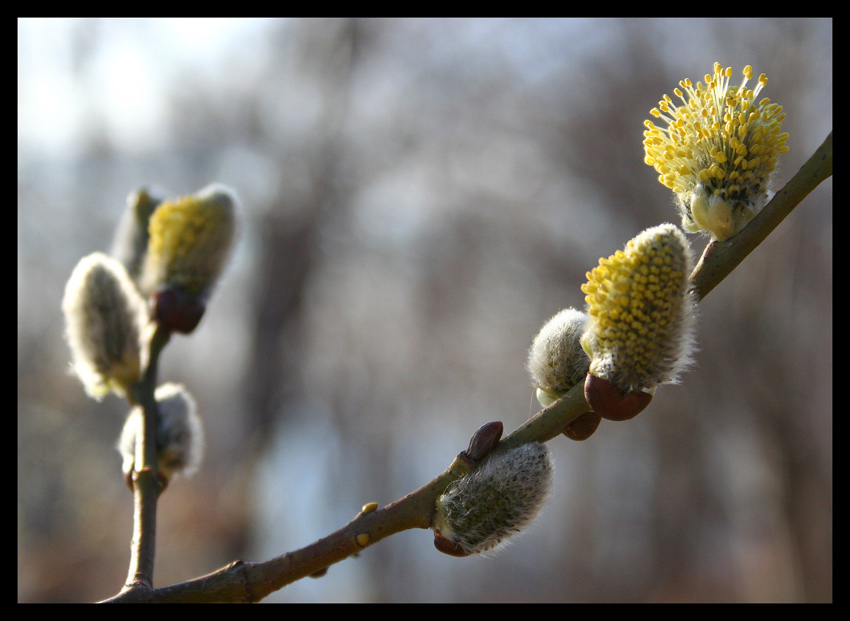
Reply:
x=146, y=484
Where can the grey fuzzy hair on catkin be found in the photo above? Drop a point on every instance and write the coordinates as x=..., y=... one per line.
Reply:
x=498, y=499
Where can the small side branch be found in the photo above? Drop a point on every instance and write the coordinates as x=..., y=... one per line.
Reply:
x=145, y=482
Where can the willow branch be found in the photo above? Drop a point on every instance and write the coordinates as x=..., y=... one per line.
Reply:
x=250, y=582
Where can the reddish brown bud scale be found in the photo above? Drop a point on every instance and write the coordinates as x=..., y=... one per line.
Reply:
x=447, y=547
x=608, y=400
x=583, y=427
x=483, y=441
x=176, y=311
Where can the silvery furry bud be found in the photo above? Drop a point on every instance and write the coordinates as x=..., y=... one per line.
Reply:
x=556, y=360
x=179, y=436
x=481, y=510
x=104, y=316
x=130, y=244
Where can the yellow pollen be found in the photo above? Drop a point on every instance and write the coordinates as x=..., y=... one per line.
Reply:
x=719, y=137
x=634, y=301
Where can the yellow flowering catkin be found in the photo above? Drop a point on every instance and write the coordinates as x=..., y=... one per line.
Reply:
x=717, y=151
x=640, y=325
x=190, y=242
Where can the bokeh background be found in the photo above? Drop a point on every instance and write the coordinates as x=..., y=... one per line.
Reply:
x=419, y=196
